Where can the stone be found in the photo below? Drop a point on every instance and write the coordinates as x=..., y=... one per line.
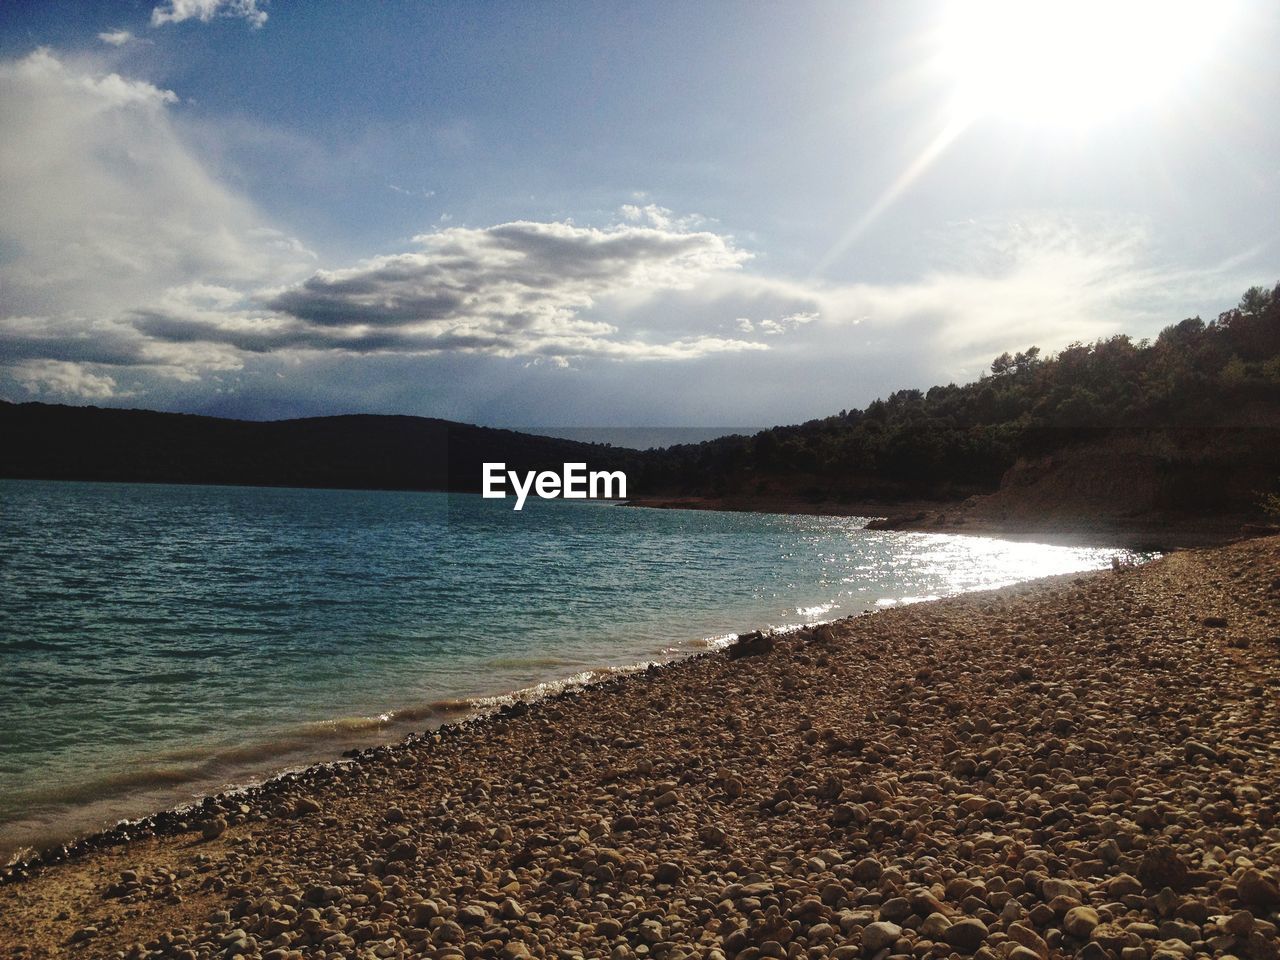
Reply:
x=306, y=806
x=753, y=644
x=1080, y=921
x=877, y=936
x=934, y=925
x=668, y=872
x=1239, y=924
x=1162, y=867
x=895, y=909
x=966, y=935
x=214, y=828
x=1053, y=888
x=867, y=870
x=1123, y=885
x=1112, y=936
x=1257, y=889
x=608, y=928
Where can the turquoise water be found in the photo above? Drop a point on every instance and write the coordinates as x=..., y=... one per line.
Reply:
x=161, y=642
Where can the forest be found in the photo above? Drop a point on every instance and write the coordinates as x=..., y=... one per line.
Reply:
x=950, y=441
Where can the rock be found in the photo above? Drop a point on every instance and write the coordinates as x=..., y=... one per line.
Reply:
x=1112, y=936
x=877, y=936
x=1177, y=930
x=1239, y=924
x=895, y=909
x=510, y=910
x=934, y=925
x=712, y=836
x=608, y=928
x=1080, y=921
x=214, y=828
x=966, y=935
x=1053, y=888
x=1123, y=885
x=668, y=872
x=306, y=806
x=867, y=870
x=752, y=644
x=1162, y=867
x=472, y=915
x=1257, y=889
x=666, y=800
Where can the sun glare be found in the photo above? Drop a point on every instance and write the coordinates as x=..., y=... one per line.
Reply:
x=1071, y=63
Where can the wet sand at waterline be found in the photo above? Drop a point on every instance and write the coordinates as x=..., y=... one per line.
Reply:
x=1085, y=765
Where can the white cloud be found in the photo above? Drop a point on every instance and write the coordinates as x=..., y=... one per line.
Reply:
x=176, y=11
x=61, y=379
x=116, y=38
x=515, y=289
x=103, y=203
x=103, y=208
x=661, y=218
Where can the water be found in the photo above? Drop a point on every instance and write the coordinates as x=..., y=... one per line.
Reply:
x=161, y=642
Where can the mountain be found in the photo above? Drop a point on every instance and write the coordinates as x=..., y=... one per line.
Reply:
x=358, y=451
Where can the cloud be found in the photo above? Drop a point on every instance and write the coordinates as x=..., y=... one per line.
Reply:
x=102, y=203
x=61, y=379
x=104, y=207
x=116, y=38
x=176, y=11
x=660, y=217
x=515, y=289
x=774, y=327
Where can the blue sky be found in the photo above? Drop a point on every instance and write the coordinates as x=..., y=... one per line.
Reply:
x=568, y=214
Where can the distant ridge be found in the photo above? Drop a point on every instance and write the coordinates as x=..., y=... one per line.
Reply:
x=358, y=451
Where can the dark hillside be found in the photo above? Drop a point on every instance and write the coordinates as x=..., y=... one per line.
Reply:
x=1199, y=408
x=359, y=451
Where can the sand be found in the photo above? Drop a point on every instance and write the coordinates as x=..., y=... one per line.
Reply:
x=1085, y=766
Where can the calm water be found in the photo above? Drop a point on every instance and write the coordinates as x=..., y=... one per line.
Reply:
x=161, y=642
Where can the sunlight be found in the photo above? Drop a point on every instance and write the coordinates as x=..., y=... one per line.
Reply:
x=1071, y=64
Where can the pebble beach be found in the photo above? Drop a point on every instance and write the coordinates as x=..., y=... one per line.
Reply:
x=1085, y=766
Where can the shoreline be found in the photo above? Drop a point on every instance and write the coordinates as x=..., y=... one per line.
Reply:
x=1159, y=533
x=40, y=816
x=664, y=771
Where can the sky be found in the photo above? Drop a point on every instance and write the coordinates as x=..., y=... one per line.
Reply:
x=633, y=214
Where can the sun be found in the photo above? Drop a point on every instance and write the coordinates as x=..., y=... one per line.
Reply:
x=1071, y=63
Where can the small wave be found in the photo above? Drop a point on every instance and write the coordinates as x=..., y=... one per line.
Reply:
x=719, y=642
x=816, y=611
x=904, y=601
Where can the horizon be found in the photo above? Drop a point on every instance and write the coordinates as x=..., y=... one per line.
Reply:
x=657, y=217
